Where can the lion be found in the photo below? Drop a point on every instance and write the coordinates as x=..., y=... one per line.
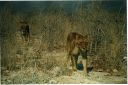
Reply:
x=77, y=45
x=24, y=30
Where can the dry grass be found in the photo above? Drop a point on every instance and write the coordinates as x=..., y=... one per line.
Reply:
x=46, y=49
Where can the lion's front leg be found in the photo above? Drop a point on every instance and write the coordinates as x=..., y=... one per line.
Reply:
x=74, y=58
x=74, y=63
x=68, y=63
x=84, y=61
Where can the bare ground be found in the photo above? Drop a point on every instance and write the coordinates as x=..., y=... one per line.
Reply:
x=56, y=75
x=35, y=76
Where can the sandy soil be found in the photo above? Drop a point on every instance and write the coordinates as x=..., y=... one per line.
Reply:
x=92, y=78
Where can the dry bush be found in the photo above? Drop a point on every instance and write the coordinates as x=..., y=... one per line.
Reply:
x=7, y=38
x=48, y=33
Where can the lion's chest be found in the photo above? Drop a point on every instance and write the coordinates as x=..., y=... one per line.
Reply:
x=75, y=51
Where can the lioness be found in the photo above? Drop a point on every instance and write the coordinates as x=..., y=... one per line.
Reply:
x=24, y=29
x=77, y=45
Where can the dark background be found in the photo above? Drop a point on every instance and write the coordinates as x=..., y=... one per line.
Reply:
x=68, y=6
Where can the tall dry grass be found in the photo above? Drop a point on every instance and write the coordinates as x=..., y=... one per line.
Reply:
x=49, y=30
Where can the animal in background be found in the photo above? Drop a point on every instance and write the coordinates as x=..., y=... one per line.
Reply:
x=25, y=31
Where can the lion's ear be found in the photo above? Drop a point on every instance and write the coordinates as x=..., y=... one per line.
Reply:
x=86, y=36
